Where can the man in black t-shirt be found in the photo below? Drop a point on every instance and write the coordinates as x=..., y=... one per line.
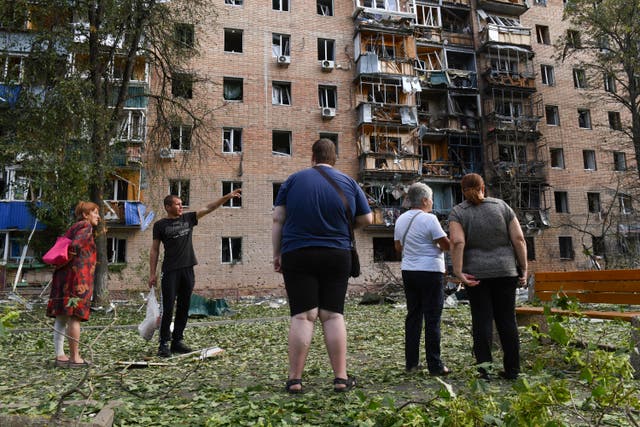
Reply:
x=178, y=278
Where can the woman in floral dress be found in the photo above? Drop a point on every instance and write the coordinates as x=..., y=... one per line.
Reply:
x=72, y=286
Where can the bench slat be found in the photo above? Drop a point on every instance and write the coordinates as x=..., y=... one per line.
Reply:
x=607, y=315
x=598, y=286
x=588, y=275
x=601, y=298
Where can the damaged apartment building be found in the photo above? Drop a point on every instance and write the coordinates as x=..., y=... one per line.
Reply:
x=409, y=90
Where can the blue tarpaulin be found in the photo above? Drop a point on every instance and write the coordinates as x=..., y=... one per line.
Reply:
x=16, y=215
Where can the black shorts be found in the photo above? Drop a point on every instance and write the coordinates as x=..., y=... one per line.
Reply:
x=316, y=277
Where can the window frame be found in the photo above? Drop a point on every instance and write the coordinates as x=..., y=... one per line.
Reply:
x=547, y=75
x=182, y=85
x=185, y=35
x=615, y=122
x=328, y=96
x=555, y=115
x=281, y=6
x=182, y=189
x=226, y=88
x=579, y=78
x=542, y=34
x=116, y=247
x=586, y=114
x=320, y=4
x=594, y=204
x=561, y=162
x=281, y=93
x=282, y=134
x=234, y=133
x=617, y=155
x=233, y=36
x=589, y=160
x=326, y=49
x=280, y=45
x=184, y=137
x=228, y=242
x=561, y=201
x=227, y=187
x=609, y=83
x=565, y=245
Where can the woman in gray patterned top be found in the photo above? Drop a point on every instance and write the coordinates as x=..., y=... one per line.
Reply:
x=489, y=256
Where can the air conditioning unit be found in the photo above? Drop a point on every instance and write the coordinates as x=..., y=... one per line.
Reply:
x=166, y=153
x=327, y=65
x=284, y=60
x=328, y=112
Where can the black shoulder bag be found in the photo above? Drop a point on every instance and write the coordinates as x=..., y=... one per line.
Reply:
x=355, y=260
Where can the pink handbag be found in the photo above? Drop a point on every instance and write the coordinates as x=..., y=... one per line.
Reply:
x=59, y=252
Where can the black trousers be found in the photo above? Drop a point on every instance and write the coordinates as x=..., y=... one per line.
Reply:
x=495, y=300
x=424, y=291
x=177, y=286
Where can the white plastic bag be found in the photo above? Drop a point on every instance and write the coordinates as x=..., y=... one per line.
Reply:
x=151, y=321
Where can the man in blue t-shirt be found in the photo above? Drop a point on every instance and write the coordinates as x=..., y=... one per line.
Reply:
x=312, y=249
x=178, y=278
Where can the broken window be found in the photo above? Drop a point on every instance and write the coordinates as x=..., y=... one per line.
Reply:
x=503, y=21
x=384, y=144
x=513, y=153
x=116, y=190
x=579, y=78
x=557, y=158
x=281, y=142
x=232, y=89
x=280, y=45
x=180, y=188
x=566, y=247
x=598, y=245
x=508, y=108
x=552, y=115
x=275, y=189
x=11, y=69
x=182, y=85
x=185, y=35
x=547, y=75
x=328, y=96
x=325, y=7
x=331, y=136
x=233, y=2
x=529, y=196
x=589, y=159
x=614, y=120
x=133, y=125
x=619, y=161
x=381, y=4
x=231, y=250
x=18, y=187
x=540, y=2
x=531, y=248
x=562, y=201
x=326, y=49
x=584, y=119
x=231, y=140
x=428, y=16
x=384, y=250
x=626, y=206
x=181, y=137
x=233, y=40
x=542, y=34
x=116, y=250
x=228, y=187
x=281, y=5
x=609, y=83
x=593, y=202
x=573, y=39
x=281, y=93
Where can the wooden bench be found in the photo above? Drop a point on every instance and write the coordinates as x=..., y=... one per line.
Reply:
x=617, y=287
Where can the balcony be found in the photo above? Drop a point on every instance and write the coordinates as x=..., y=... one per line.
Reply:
x=387, y=10
x=127, y=214
x=507, y=7
x=387, y=113
x=374, y=164
x=492, y=33
x=370, y=63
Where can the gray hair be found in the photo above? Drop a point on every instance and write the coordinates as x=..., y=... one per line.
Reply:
x=417, y=192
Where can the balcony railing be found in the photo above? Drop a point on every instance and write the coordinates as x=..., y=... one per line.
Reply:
x=388, y=113
x=501, y=34
x=390, y=162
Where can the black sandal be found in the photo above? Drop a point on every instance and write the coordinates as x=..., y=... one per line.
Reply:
x=349, y=383
x=293, y=382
